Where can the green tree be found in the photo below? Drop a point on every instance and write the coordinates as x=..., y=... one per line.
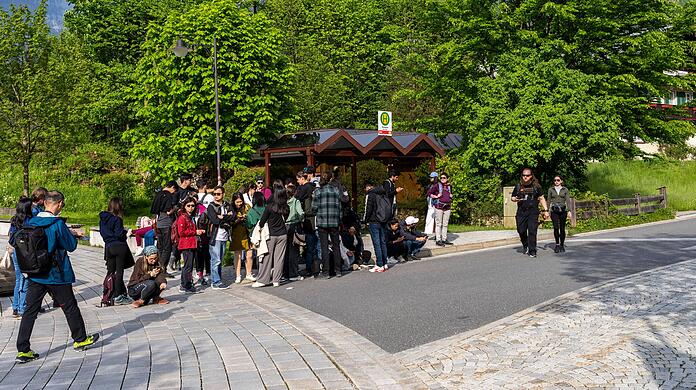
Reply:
x=177, y=113
x=41, y=88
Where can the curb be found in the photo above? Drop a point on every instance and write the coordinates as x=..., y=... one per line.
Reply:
x=474, y=246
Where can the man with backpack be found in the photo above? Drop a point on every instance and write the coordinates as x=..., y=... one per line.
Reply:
x=42, y=247
x=377, y=213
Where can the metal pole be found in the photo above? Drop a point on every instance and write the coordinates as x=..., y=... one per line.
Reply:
x=217, y=111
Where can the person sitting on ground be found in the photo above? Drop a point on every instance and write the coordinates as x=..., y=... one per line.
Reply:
x=395, y=242
x=413, y=239
x=147, y=280
x=117, y=254
x=350, y=244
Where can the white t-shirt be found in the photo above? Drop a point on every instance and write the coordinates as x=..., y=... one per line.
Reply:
x=205, y=199
x=222, y=234
x=247, y=199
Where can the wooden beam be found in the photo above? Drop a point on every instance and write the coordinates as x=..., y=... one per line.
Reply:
x=267, y=160
x=354, y=183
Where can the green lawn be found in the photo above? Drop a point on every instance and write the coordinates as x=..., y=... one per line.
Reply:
x=621, y=179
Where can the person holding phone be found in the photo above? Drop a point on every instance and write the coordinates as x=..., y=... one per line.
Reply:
x=147, y=280
x=528, y=195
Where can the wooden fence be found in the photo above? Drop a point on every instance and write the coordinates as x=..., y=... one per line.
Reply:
x=586, y=209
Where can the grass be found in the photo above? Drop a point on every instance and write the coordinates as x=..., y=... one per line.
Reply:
x=623, y=179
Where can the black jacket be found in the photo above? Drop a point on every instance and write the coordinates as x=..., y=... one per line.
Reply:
x=371, y=204
x=409, y=234
x=390, y=190
x=214, y=222
x=163, y=202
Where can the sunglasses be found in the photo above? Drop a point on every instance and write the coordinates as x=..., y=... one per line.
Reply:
x=190, y=205
x=217, y=193
x=526, y=175
x=556, y=179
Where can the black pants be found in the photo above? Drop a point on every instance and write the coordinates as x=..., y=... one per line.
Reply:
x=559, y=225
x=187, y=270
x=324, y=235
x=527, y=224
x=203, y=259
x=146, y=290
x=292, y=254
x=177, y=258
x=396, y=250
x=63, y=294
x=164, y=246
x=116, y=256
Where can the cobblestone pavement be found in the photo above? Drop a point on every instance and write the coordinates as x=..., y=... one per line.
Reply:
x=632, y=333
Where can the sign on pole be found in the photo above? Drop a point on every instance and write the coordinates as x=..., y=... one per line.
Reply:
x=384, y=123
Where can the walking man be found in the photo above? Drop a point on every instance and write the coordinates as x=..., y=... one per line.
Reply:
x=58, y=281
x=528, y=194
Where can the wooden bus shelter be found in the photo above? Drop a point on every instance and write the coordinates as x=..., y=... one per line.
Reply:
x=347, y=147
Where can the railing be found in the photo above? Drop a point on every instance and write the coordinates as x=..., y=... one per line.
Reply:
x=586, y=209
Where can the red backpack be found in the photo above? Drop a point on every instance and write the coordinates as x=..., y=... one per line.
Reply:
x=174, y=234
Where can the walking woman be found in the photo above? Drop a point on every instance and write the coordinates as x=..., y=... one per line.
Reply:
x=22, y=215
x=187, y=244
x=528, y=194
x=239, y=238
x=116, y=251
x=558, y=201
x=275, y=215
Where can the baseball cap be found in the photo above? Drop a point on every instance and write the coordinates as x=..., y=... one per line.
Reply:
x=411, y=220
x=434, y=174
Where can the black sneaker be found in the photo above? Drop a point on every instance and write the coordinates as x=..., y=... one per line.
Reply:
x=321, y=276
x=562, y=248
x=414, y=258
x=15, y=314
x=25, y=357
x=168, y=275
x=557, y=248
x=525, y=250
x=447, y=243
x=532, y=254
x=440, y=243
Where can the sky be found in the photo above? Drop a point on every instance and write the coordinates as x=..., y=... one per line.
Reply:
x=55, y=11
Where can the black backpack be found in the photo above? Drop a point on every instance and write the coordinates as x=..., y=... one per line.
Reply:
x=383, y=209
x=31, y=246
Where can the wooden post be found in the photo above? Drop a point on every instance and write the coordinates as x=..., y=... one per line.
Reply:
x=638, y=203
x=267, y=160
x=573, y=212
x=663, y=193
x=354, y=183
x=310, y=157
x=432, y=163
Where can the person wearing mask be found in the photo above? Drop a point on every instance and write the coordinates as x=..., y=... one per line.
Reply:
x=441, y=194
x=326, y=205
x=239, y=239
x=117, y=254
x=304, y=193
x=147, y=280
x=261, y=187
x=37, y=198
x=164, y=207
x=430, y=214
x=220, y=221
x=413, y=239
x=59, y=280
x=22, y=215
x=377, y=214
x=275, y=214
x=558, y=200
x=391, y=189
x=528, y=194
x=294, y=225
x=187, y=232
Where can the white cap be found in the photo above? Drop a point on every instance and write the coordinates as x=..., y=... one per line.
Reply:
x=411, y=220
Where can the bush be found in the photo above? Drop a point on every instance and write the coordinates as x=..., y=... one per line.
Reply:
x=118, y=184
x=242, y=177
x=87, y=162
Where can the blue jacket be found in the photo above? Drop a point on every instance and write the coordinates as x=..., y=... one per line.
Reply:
x=62, y=241
x=111, y=228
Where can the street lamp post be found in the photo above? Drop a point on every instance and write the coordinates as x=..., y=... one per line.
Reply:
x=180, y=50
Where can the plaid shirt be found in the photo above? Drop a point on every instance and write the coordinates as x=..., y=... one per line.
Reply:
x=326, y=204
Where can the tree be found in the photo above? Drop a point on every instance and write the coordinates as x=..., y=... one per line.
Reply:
x=177, y=109
x=40, y=88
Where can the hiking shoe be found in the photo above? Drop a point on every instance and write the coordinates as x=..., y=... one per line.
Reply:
x=447, y=242
x=88, y=342
x=15, y=314
x=250, y=278
x=137, y=303
x=562, y=248
x=557, y=248
x=160, y=301
x=123, y=300
x=25, y=357
x=439, y=243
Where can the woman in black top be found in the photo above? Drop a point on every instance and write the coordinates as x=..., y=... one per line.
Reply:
x=275, y=215
x=558, y=201
x=528, y=194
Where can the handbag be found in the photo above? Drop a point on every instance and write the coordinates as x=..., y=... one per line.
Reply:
x=299, y=239
x=6, y=261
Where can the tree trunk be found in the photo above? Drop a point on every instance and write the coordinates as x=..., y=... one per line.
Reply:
x=25, y=169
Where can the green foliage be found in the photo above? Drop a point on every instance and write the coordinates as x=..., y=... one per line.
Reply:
x=121, y=185
x=618, y=220
x=87, y=161
x=177, y=112
x=370, y=171
x=241, y=178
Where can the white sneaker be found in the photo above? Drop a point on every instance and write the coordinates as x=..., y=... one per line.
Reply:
x=376, y=269
x=250, y=278
x=276, y=284
x=257, y=285
x=392, y=260
x=386, y=267
x=238, y=279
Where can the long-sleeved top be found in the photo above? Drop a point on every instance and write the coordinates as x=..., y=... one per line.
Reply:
x=214, y=221
x=444, y=202
x=60, y=242
x=558, y=198
x=304, y=191
x=162, y=205
x=296, y=212
x=390, y=190
x=140, y=273
x=371, y=205
x=276, y=223
x=253, y=217
x=410, y=235
x=326, y=204
x=187, y=232
x=111, y=228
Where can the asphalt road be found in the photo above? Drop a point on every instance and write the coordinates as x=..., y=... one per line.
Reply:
x=419, y=302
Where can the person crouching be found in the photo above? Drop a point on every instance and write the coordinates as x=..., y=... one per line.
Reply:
x=148, y=279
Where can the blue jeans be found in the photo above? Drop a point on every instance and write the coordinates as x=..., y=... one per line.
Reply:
x=19, y=303
x=378, y=234
x=217, y=253
x=310, y=253
x=413, y=246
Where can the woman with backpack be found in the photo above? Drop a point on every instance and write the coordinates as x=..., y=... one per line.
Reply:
x=441, y=194
x=22, y=215
x=558, y=203
x=186, y=233
x=275, y=215
x=239, y=238
x=117, y=254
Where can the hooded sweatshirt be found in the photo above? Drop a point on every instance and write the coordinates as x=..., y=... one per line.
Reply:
x=60, y=242
x=111, y=228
